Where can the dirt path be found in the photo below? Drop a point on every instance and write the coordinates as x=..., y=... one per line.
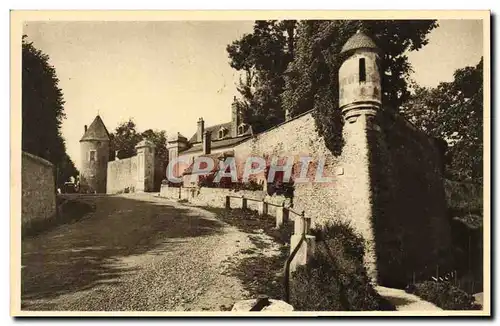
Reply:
x=134, y=252
x=405, y=301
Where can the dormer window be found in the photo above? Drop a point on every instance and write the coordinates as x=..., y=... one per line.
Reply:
x=242, y=128
x=222, y=132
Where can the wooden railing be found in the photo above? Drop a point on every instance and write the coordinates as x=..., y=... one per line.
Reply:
x=302, y=226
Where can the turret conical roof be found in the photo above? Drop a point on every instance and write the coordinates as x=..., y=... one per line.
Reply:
x=96, y=131
x=358, y=41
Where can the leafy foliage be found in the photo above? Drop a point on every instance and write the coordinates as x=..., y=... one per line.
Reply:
x=263, y=56
x=311, y=80
x=454, y=111
x=43, y=112
x=126, y=137
x=445, y=295
x=159, y=138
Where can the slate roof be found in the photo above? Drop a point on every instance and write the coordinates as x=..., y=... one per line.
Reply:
x=226, y=142
x=96, y=131
x=358, y=41
x=177, y=136
x=214, y=131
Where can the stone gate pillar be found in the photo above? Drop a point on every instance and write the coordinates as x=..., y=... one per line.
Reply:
x=145, y=166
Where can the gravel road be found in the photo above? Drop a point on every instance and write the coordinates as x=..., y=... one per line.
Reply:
x=134, y=252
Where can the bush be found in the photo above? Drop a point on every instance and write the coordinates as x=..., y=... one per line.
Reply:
x=336, y=278
x=445, y=295
x=251, y=185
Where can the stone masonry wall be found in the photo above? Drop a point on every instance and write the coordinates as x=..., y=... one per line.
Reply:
x=122, y=174
x=216, y=197
x=342, y=198
x=410, y=222
x=38, y=189
x=386, y=183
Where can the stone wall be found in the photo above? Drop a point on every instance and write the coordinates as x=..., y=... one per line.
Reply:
x=38, y=189
x=122, y=174
x=216, y=197
x=412, y=229
x=386, y=183
x=320, y=201
x=347, y=196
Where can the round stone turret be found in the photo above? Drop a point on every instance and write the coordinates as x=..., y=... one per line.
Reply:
x=360, y=86
x=94, y=152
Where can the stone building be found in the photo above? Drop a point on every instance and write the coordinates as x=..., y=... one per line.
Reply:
x=220, y=138
x=94, y=152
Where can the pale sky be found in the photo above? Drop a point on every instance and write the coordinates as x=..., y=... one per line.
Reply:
x=165, y=75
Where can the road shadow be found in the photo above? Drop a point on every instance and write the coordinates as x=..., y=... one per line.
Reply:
x=79, y=256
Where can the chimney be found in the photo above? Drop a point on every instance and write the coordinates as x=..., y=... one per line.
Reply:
x=234, y=119
x=288, y=116
x=201, y=130
x=207, y=140
x=85, y=128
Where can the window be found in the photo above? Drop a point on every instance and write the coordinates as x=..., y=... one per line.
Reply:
x=362, y=70
x=222, y=133
x=241, y=128
x=92, y=156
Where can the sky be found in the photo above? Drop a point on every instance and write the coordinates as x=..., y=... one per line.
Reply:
x=165, y=75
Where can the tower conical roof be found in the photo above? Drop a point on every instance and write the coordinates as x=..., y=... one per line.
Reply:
x=96, y=131
x=358, y=41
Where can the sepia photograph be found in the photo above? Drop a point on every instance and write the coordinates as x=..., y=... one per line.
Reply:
x=250, y=163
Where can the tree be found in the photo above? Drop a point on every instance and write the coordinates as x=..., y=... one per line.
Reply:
x=311, y=80
x=453, y=111
x=43, y=112
x=159, y=138
x=263, y=57
x=124, y=139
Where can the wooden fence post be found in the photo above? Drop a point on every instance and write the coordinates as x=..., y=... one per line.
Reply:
x=243, y=202
x=263, y=208
x=282, y=214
